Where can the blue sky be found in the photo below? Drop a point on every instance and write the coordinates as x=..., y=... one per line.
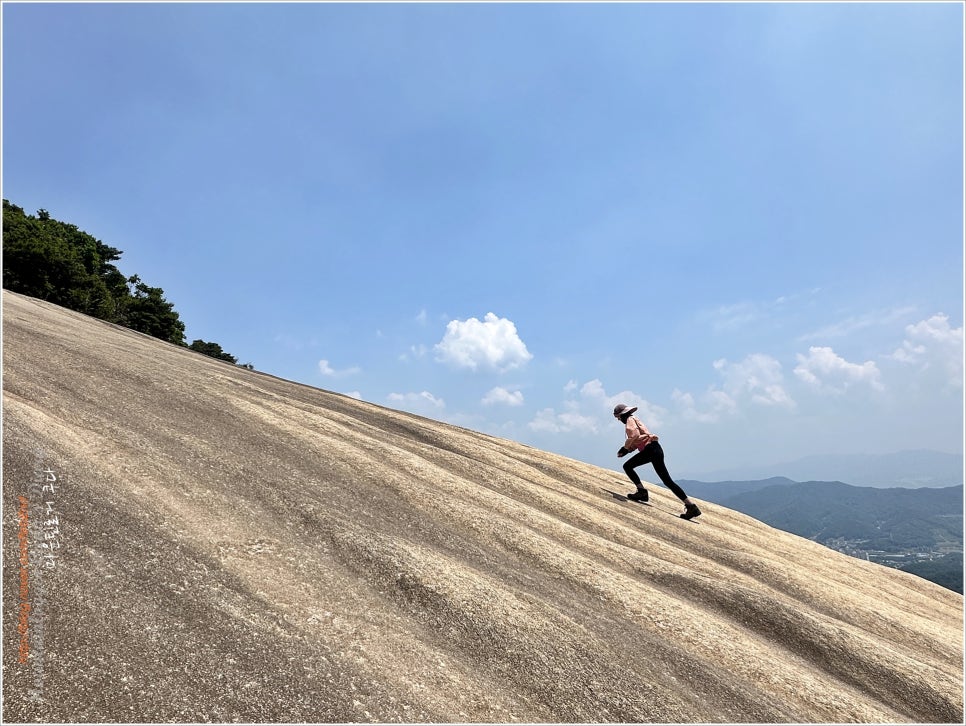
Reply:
x=746, y=219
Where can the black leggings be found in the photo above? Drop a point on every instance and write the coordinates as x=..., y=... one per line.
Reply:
x=652, y=454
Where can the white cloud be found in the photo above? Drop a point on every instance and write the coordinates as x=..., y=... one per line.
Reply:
x=909, y=352
x=741, y=315
x=327, y=370
x=423, y=402
x=932, y=344
x=594, y=389
x=855, y=323
x=549, y=420
x=491, y=344
x=421, y=317
x=717, y=403
x=415, y=352
x=545, y=420
x=593, y=411
x=758, y=379
x=828, y=372
x=503, y=396
x=593, y=392
x=726, y=318
x=354, y=394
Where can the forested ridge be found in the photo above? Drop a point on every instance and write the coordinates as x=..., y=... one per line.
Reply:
x=55, y=261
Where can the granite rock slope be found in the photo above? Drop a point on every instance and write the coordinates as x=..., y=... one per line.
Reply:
x=236, y=547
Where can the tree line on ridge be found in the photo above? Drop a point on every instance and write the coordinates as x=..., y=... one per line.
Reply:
x=55, y=261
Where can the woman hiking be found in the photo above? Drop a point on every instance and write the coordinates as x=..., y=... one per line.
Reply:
x=649, y=451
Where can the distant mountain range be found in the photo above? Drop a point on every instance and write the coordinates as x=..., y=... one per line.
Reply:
x=912, y=469
x=901, y=527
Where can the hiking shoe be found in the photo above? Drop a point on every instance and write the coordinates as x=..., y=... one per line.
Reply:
x=639, y=496
x=690, y=511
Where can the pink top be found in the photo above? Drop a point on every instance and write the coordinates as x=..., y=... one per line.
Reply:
x=637, y=434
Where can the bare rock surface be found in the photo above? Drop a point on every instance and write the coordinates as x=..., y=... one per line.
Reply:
x=236, y=547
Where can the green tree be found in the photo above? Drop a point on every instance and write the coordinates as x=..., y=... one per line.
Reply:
x=147, y=311
x=56, y=261
x=213, y=350
x=39, y=262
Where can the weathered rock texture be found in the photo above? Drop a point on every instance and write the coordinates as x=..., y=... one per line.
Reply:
x=239, y=547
